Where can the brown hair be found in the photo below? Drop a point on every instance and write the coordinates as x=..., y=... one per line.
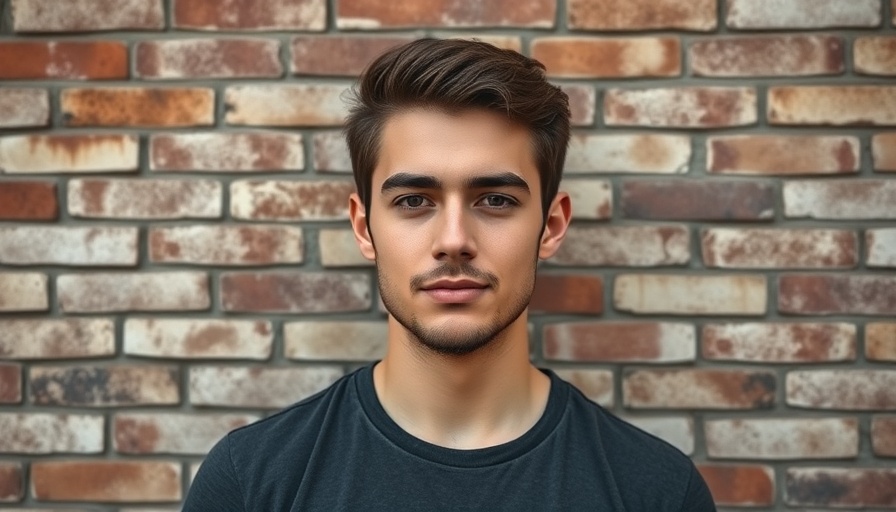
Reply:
x=456, y=74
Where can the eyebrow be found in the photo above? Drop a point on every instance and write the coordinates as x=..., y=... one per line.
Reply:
x=411, y=180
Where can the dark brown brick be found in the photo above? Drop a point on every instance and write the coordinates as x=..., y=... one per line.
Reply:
x=28, y=200
x=840, y=487
x=295, y=292
x=338, y=55
x=845, y=294
x=740, y=485
x=381, y=14
x=105, y=386
x=255, y=15
x=138, y=106
x=790, y=55
x=67, y=60
x=12, y=482
x=655, y=342
x=10, y=383
x=567, y=293
x=86, y=15
x=698, y=200
x=698, y=15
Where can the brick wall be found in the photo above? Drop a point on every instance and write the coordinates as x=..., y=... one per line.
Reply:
x=176, y=260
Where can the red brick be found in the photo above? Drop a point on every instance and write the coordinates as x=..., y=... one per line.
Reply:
x=832, y=105
x=12, y=482
x=24, y=107
x=582, y=99
x=285, y=105
x=105, y=386
x=883, y=436
x=56, y=338
x=740, y=485
x=624, y=246
x=254, y=15
x=382, y=14
x=290, y=200
x=338, y=248
x=145, y=199
x=789, y=342
x=840, y=487
x=10, y=383
x=651, y=342
x=779, y=248
x=581, y=57
x=138, y=106
x=180, y=433
x=567, y=293
x=875, y=55
x=597, y=385
x=826, y=294
x=591, y=198
x=226, y=245
x=23, y=291
x=331, y=152
x=335, y=340
x=791, y=55
x=881, y=247
x=851, y=390
x=505, y=41
x=782, y=154
x=208, y=58
x=698, y=200
x=840, y=199
x=28, y=154
x=883, y=148
x=86, y=15
x=743, y=294
x=880, y=341
x=628, y=153
x=681, y=107
x=65, y=60
x=28, y=200
x=133, y=291
x=675, y=430
x=258, y=151
x=43, y=433
x=186, y=338
x=699, y=389
x=338, y=55
x=801, y=14
x=295, y=292
x=782, y=438
x=257, y=387
x=57, y=245
x=106, y=481
x=697, y=15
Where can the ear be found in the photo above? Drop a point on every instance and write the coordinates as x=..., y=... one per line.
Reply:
x=360, y=227
x=559, y=215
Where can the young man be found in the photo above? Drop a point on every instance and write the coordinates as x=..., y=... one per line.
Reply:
x=457, y=149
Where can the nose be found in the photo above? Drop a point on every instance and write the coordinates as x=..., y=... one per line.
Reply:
x=453, y=238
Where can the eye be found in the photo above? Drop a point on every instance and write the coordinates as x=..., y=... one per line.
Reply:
x=497, y=201
x=411, y=202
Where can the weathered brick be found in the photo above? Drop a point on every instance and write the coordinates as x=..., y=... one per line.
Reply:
x=208, y=58
x=180, y=433
x=138, y=106
x=185, y=338
x=740, y=485
x=105, y=386
x=675, y=430
x=790, y=55
x=779, y=248
x=852, y=390
x=295, y=292
x=880, y=341
x=253, y=15
x=28, y=200
x=628, y=153
x=801, y=14
x=226, y=245
x=883, y=436
x=290, y=200
x=681, y=107
x=883, y=149
x=567, y=293
x=226, y=152
x=10, y=383
x=145, y=199
x=23, y=291
x=56, y=338
x=12, y=482
x=285, y=105
x=338, y=55
x=386, y=14
x=624, y=246
x=782, y=438
x=30, y=154
x=329, y=340
x=597, y=385
x=23, y=107
x=832, y=105
x=133, y=291
x=86, y=15
x=699, y=389
x=63, y=60
x=75, y=245
x=652, y=342
x=338, y=248
x=331, y=152
x=505, y=41
x=823, y=294
x=582, y=99
x=697, y=15
x=698, y=200
x=782, y=154
x=881, y=244
x=588, y=57
x=257, y=387
x=591, y=198
x=840, y=199
x=743, y=294
x=43, y=433
x=840, y=487
x=106, y=481
x=790, y=342
x=875, y=55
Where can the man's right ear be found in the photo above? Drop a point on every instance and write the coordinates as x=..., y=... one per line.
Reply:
x=358, y=217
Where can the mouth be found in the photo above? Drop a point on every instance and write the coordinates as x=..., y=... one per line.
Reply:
x=454, y=291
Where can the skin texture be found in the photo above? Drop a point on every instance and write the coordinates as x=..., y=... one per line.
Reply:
x=456, y=202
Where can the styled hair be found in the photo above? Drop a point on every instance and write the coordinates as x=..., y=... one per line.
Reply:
x=455, y=74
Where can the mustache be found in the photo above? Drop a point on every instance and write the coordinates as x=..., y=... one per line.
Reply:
x=464, y=269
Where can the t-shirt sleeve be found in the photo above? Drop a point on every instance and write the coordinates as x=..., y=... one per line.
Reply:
x=698, y=497
x=216, y=487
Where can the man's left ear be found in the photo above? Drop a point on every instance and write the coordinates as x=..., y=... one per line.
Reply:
x=559, y=215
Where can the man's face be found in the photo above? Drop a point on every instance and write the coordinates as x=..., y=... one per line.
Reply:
x=454, y=225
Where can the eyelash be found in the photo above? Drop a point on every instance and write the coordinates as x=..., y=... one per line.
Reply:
x=508, y=202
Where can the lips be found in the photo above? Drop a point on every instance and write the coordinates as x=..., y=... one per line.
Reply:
x=454, y=291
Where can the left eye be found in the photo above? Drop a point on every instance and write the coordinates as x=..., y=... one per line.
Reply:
x=496, y=201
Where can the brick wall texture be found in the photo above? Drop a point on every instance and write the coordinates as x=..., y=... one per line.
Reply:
x=175, y=257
